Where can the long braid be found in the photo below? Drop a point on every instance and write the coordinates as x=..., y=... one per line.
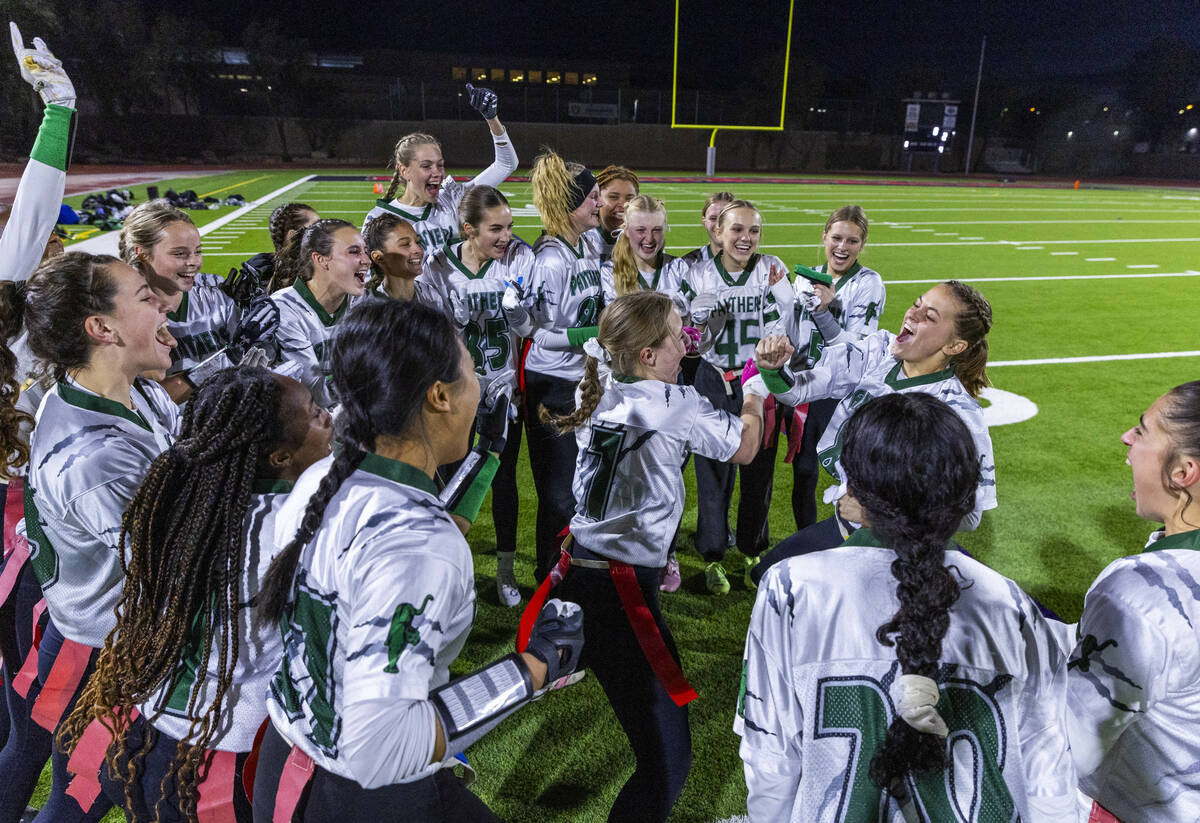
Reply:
x=590, y=392
x=972, y=324
x=14, y=449
x=184, y=535
x=911, y=463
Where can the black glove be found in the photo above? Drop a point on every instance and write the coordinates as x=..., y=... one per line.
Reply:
x=244, y=284
x=483, y=101
x=491, y=425
x=557, y=638
x=259, y=323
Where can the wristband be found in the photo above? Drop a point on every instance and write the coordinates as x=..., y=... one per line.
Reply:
x=579, y=336
x=55, y=138
x=774, y=381
x=471, y=706
x=464, y=493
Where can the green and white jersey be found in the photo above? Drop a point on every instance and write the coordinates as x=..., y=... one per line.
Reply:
x=753, y=313
x=88, y=455
x=204, y=323
x=425, y=292
x=817, y=697
x=859, y=371
x=859, y=304
x=382, y=604
x=698, y=255
x=1134, y=684
x=306, y=338
x=487, y=336
x=259, y=650
x=564, y=293
x=437, y=223
x=604, y=241
x=628, y=482
x=666, y=277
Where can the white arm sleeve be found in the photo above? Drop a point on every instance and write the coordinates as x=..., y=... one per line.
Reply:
x=36, y=204
x=836, y=374
x=504, y=164
x=387, y=740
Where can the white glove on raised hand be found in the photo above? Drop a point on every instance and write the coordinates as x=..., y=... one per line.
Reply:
x=709, y=310
x=42, y=70
x=513, y=303
x=811, y=301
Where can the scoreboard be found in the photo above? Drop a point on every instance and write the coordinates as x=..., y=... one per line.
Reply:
x=930, y=124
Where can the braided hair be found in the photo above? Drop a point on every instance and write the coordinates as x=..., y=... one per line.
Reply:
x=972, y=323
x=402, y=155
x=14, y=449
x=184, y=534
x=286, y=220
x=911, y=463
x=386, y=355
x=295, y=261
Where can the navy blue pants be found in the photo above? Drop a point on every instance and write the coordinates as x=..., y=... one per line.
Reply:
x=27, y=746
x=657, y=729
x=823, y=534
x=329, y=798
x=506, y=501
x=552, y=459
x=806, y=471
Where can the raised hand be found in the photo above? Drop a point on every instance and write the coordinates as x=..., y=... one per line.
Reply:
x=42, y=70
x=483, y=101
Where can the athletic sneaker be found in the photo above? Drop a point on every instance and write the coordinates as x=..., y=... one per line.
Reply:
x=750, y=564
x=671, y=577
x=715, y=579
x=506, y=589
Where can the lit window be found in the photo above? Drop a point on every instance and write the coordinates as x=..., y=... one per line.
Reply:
x=516, y=75
x=554, y=77
x=497, y=75
x=479, y=74
x=535, y=77
x=458, y=73
x=571, y=78
x=589, y=79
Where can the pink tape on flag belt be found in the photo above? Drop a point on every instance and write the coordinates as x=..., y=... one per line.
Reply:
x=23, y=682
x=796, y=431
x=297, y=772
x=61, y=684
x=215, y=804
x=534, y=607
x=1101, y=815
x=16, y=549
x=87, y=760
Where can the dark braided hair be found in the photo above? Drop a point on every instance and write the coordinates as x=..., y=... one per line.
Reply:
x=375, y=237
x=285, y=220
x=386, y=355
x=911, y=463
x=184, y=533
x=1181, y=419
x=14, y=448
x=295, y=260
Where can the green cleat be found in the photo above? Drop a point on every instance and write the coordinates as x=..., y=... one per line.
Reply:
x=750, y=564
x=714, y=578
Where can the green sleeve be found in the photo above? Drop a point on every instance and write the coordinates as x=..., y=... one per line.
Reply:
x=472, y=499
x=55, y=138
x=774, y=381
x=577, y=337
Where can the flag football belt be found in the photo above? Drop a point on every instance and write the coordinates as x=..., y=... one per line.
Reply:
x=729, y=377
x=16, y=549
x=645, y=629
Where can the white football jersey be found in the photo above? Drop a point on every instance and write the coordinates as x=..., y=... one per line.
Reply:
x=564, y=292
x=698, y=255
x=306, y=336
x=492, y=345
x=36, y=204
x=860, y=300
x=259, y=650
x=628, y=482
x=88, y=456
x=753, y=313
x=817, y=698
x=204, y=323
x=382, y=604
x=604, y=241
x=666, y=277
x=1134, y=684
x=859, y=371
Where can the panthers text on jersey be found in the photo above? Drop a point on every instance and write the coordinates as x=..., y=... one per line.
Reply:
x=204, y=322
x=753, y=313
x=564, y=292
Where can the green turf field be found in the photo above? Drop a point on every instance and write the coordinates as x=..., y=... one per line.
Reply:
x=1084, y=276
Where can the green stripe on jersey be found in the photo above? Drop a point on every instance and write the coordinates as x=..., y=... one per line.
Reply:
x=325, y=317
x=897, y=380
x=93, y=402
x=397, y=472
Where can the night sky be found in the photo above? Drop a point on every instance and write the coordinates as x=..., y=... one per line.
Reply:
x=864, y=42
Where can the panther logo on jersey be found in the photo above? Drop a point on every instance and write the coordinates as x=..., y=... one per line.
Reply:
x=1087, y=647
x=401, y=633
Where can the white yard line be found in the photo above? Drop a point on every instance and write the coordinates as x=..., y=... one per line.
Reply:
x=1051, y=277
x=1100, y=259
x=1142, y=266
x=1100, y=358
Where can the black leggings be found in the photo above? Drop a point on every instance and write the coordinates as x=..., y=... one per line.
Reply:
x=806, y=470
x=657, y=729
x=329, y=798
x=552, y=459
x=823, y=534
x=28, y=745
x=505, y=500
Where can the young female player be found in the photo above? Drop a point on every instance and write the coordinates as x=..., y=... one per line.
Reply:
x=1134, y=676
x=941, y=349
x=162, y=242
x=708, y=218
x=431, y=197
x=564, y=299
x=938, y=697
x=376, y=595
x=822, y=315
x=638, y=260
x=729, y=297
x=618, y=186
x=333, y=267
x=99, y=326
x=475, y=274
x=183, y=679
x=258, y=273
x=397, y=262
x=633, y=427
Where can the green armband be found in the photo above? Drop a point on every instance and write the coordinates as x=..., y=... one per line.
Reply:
x=55, y=138
x=774, y=381
x=579, y=336
x=472, y=499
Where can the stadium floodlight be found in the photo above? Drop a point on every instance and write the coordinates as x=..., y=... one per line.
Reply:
x=711, y=157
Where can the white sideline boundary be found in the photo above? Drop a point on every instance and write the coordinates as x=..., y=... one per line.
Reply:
x=1123, y=276
x=1097, y=358
x=106, y=243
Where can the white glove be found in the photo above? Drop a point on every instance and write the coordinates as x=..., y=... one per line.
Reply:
x=255, y=357
x=709, y=310
x=810, y=301
x=502, y=384
x=459, y=310
x=42, y=70
x=513, y=304
x=785, y=295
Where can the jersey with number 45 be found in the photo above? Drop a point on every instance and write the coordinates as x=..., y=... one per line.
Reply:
x=817, y=697
x=629, y=472
x=564, y=292
x=753, y=313
x=479, y=294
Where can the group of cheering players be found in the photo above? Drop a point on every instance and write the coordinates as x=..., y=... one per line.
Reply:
x=235, y=574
